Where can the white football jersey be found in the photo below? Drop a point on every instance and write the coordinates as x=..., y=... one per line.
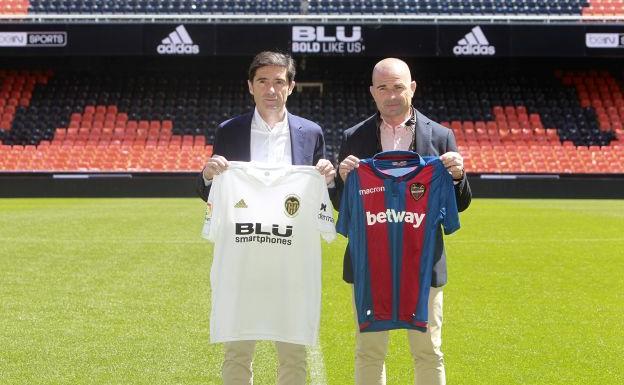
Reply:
x=266, y=222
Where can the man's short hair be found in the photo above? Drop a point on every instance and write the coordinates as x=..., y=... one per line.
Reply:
x=269, y=58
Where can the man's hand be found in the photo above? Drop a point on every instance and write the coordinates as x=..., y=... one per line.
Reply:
x=454, y=163
x=347, y=165
x=214, y=166
x=326, y=168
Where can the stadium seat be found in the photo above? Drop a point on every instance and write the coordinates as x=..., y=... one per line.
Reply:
x=173, y=7
x=237, y=7
x=495, y=118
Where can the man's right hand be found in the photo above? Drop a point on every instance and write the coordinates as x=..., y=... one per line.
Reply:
x=347, y=165
x=214, y=166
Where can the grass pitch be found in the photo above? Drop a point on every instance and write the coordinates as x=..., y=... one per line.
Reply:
x=116, y=291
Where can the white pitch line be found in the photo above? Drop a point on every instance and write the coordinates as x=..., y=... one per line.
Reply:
x=201, y=241
x=105, y=241
x=535, y=241
x=317, y=366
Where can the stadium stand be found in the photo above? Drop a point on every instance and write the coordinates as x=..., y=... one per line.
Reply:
x=528, y=124
x=38, y=7
x=316, y=7
x=456, y=7
x=603, y=8
x=14, y=7
x=122, y=97
x=546, y=121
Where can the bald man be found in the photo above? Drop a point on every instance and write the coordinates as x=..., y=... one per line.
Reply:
x=399, y=126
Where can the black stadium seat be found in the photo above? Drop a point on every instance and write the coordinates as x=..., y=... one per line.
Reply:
x=573, y=104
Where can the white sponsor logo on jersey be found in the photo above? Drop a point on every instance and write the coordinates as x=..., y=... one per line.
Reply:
x=372, y=190
x=393, y=216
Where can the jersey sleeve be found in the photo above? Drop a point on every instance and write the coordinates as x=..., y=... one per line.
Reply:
x=326, y=224
x=449, y=208
x=344, y=215
x=213, y=207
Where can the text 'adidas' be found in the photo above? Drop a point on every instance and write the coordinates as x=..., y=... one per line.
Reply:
x=178, y=42
x=474, y=43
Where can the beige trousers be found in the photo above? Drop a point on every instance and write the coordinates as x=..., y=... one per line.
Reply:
x=236, y=369
x=371, y=349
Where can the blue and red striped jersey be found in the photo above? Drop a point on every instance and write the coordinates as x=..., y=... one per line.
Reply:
x=392, y=206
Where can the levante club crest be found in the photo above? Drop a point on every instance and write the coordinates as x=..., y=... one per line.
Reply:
x=291, y=205
x=417, y=190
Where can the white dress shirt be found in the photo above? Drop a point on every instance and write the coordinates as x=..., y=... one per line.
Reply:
x=270, y=145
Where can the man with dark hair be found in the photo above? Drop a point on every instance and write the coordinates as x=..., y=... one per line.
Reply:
x=272, y=135
x=268, y=58
x=399, y=126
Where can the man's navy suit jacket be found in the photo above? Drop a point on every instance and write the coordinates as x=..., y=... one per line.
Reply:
x=433, y=139
x=232, y=141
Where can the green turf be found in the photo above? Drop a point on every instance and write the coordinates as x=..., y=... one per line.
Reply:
x=115, y=291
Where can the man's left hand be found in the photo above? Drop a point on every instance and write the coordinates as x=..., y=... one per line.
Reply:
x=454, y=163
x=326, y=168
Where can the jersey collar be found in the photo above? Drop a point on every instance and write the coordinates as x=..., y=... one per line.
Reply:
x=411, y=158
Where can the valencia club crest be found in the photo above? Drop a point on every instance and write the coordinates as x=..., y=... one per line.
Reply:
x=291, y=205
